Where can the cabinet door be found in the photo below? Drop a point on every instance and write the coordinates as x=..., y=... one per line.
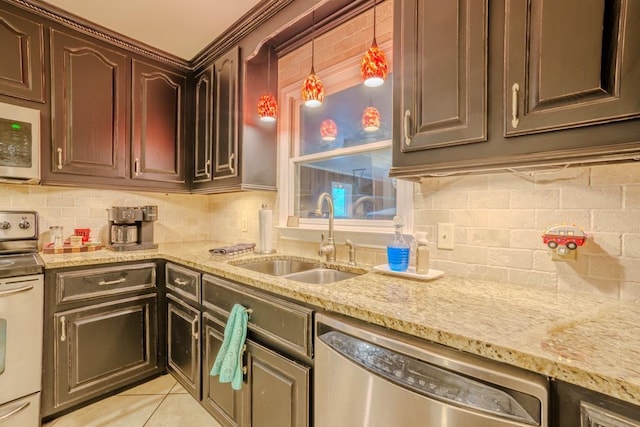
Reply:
x=102, y=347
x=226, y=111
x=441, y=73
x=203, y=120
x=277, y=392
x=183, y=339
x=158, y=97
x=223, y=402
x=88, y=96
x=570, y=63
x=22, y=64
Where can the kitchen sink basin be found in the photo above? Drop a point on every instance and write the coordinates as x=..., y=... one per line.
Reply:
x=321, y=275
x=279, y=267
x=300, y=271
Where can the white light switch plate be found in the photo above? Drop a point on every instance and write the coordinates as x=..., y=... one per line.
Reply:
x=445, y=235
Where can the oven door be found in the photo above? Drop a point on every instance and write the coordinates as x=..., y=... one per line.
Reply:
x=21, y=307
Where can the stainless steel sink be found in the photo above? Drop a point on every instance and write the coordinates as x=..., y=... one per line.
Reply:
x=321, y=275
x=300, y=271
x=279, y=267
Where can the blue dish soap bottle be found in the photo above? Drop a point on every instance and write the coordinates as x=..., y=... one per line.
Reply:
x=398, y=250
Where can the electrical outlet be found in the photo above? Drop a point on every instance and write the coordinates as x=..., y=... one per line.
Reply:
x=445, y=235
x=244, y=224
x=568, y=256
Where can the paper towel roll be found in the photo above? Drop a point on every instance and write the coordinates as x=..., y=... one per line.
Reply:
x=265, y=224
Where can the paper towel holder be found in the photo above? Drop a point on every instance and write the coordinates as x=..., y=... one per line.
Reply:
x=264, y=248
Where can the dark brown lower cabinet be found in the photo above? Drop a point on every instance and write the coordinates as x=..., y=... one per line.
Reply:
x=183, y=340
x=276, y=387
x=219, y=399
x=573, y=406
x=104, y=346
x=101, y=332
x=275, y=392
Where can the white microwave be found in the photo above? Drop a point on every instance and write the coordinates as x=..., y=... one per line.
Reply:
x=19, y=144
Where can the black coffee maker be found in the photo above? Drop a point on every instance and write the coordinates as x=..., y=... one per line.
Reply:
x=131, y=228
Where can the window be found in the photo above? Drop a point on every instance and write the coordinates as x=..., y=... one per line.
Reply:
x=330, y=150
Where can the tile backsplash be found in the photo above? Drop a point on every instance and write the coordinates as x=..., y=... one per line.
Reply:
x=498, y=219
x=180, y=216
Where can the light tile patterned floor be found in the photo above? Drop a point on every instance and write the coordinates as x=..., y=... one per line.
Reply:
x=161, y=402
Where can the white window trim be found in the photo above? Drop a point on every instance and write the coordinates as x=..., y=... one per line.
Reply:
x=373, y=233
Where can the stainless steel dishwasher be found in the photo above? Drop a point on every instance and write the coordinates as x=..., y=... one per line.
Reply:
x=367, y=376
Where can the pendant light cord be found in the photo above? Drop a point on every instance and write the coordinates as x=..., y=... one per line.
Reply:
x=374, y=21
x=313, y=28
x=269, y=68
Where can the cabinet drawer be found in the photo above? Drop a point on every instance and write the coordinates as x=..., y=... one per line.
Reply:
x=100, y=282
x=183, y=281
x=281, y=323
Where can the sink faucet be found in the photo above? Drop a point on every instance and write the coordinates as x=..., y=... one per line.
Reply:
x=327, y=249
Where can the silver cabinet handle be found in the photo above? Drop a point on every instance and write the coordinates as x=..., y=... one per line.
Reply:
x=232, y=158
x=63, y=329
x=207, y=169
x=514, y=105
x=179, y=282
x=407, y=127
x=194, y=327
x=112, y=282
x=14, y=411
x=59, y=158
x=22, y=288
x=136, y=167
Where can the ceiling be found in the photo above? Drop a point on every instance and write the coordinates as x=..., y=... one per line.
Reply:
x=179, y=27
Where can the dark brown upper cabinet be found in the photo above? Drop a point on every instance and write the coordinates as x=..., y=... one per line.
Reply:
x=22, y=62
x=443, y=50
x=203, y=98
x=226, y=115
x=233, y=150
x=570, y=63
x=89, y=108
x=158, y=123
x=485, y=86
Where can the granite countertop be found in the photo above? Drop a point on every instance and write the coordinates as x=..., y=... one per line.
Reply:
x=586, y=340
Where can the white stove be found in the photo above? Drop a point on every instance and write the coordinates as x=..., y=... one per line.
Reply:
x=21, y=316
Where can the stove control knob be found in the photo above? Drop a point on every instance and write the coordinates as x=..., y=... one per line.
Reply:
x=24, y=224
x=5, y=225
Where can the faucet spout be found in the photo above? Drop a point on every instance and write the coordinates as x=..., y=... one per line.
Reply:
x=327, y=249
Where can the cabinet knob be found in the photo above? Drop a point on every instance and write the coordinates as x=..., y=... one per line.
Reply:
x=136, y=167
x=207, y=169
x=407, y=127
x=514, y=105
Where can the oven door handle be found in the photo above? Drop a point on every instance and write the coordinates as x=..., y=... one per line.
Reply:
x=23, y=288
x=14, y=411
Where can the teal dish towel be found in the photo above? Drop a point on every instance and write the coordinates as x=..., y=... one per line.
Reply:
x=228, y=363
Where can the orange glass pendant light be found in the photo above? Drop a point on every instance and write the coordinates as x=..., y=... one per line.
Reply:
x=328, y=130
x=374, y=67
x=371, y=119
x=267, y=108
x=312, y=88
x=267, y=104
